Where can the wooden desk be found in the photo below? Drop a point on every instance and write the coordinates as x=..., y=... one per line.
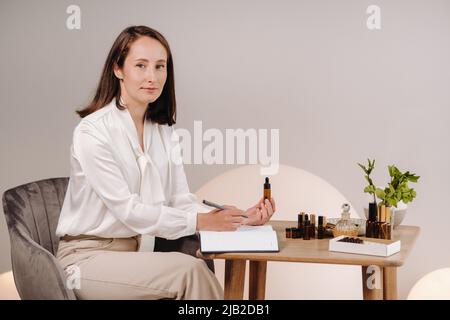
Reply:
x=312, y=251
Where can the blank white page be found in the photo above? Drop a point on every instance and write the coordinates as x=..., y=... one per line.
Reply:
x=245, y=239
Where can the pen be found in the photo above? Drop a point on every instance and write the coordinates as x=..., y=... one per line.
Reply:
x=218, y=206
x=212, y=204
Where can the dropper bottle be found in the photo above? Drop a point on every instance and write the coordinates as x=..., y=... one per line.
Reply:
x=267, y=189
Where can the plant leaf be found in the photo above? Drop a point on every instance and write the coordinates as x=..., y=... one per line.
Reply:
x=362, y=167
x=380, y=193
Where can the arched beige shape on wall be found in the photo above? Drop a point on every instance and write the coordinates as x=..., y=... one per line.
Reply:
x=433, y=286
x=8, y=289
x=294, y=190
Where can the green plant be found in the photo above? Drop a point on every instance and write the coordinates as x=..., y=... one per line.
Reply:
x=371, y=189
x=397, y=189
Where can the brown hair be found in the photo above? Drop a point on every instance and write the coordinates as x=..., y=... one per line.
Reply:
x=163, y=110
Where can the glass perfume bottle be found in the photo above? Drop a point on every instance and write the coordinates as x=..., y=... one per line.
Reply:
x=344, y=227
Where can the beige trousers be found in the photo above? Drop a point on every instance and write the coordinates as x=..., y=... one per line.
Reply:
x=112, y=269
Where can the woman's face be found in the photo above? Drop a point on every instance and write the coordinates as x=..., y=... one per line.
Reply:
x=144, y=72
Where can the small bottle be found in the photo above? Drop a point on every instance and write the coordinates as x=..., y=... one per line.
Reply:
x=267, y=189
x=312, y=228
x=300, y=219
x=381, y=221
x=391, y=223
x=371, y=223
x=387, y=225
x=288, y=233
x=320, y=229
x=300, y=223
x=306, y=218
x=306, y=232
x=294, y=232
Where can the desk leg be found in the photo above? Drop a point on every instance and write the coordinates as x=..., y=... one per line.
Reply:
x=390, y=283
x=372, y=282
x=234, y=279
x=257, y=284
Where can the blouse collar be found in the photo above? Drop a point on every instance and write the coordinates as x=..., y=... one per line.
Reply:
x=151, y=190
x=131, y=130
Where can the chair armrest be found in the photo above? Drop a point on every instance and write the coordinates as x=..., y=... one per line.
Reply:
x=188, y=245
x=37, y=272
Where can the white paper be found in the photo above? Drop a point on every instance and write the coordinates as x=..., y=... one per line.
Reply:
x=244, y=239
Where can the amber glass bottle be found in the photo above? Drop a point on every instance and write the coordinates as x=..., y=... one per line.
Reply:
x=267, y=189
x=306, y=231
x=300, y=223
x=371, y=223
x=312, y=228
x=320, y=229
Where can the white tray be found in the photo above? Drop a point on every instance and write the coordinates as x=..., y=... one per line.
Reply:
x=373, y=247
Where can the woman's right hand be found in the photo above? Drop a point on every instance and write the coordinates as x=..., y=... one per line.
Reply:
x=220, y=220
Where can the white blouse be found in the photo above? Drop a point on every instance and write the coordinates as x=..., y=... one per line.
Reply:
x=117, y=190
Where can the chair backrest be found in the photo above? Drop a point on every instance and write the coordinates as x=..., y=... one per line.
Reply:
x=32, y=213
x=36, y=207
x=294, y=190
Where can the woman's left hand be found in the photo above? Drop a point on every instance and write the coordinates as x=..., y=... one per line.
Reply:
x=260, y=213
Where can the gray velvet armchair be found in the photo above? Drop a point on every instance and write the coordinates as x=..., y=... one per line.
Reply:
x=32, y=211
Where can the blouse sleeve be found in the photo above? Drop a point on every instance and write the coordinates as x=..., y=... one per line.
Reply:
x=105, y=177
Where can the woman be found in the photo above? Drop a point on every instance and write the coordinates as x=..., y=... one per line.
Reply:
x=125, y=188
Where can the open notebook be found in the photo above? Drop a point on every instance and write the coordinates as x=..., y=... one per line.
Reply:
x=244, y=239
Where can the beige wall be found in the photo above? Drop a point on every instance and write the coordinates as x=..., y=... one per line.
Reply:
x=338, y=92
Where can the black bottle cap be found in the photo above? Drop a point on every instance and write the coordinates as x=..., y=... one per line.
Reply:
x=267, y=183
x=373, y=211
